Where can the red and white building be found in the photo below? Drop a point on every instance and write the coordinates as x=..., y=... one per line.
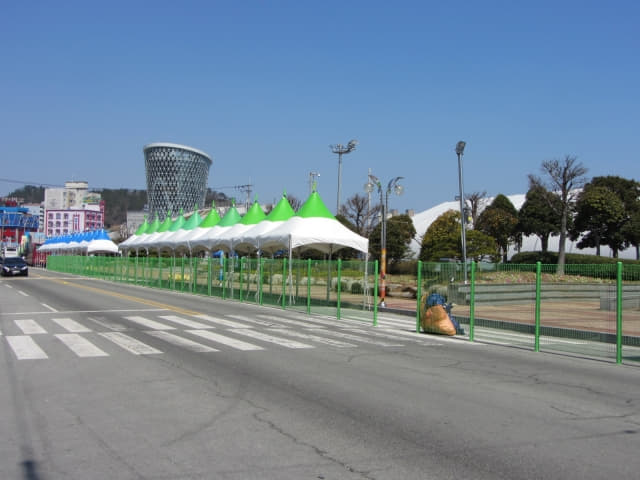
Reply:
x=72, y=209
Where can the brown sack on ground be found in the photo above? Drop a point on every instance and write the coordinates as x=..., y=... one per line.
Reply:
x=436, y=320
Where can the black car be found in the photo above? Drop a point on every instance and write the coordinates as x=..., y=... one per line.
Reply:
x=12, y=266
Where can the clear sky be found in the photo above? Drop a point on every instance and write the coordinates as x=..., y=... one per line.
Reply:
x=265, y=87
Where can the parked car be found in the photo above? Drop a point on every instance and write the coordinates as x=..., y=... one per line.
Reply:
x=12, y=266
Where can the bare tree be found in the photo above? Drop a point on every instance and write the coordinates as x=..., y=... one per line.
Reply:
x=563, y=178
x=475, y=200
x=362, y=215
x=295, y=202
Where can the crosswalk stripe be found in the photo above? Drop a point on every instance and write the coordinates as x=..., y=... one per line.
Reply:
x=129, y=343
x=29, y=327
x=356, y=338
x=313, y=338
x=25, y=348
x=150, y=324
x=181, y=341
x=185, y=322
x=298, y=323
x=307, y=322
x=222, y=321
x=255, y=321
x=71, y=325
x=283, y=342
x=80, y=345
x=394, y=334
x=230, y=342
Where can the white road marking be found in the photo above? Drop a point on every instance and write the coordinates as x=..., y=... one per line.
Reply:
x=307, y=322
x=23, y=293
x=80, y=345
x=25, y=348
x=313, y=338
x=71, y=325
x=185, y=322
x=244, y=318
x=29, y=327
x=116, y=327
x=150, y=324
x=356, y=338
x=222, y=321
x=284, y=342
x=394, y=334
x=230, y=342
x=298, y=323
x=182, y=342
x=129, y=343
x=50, y=308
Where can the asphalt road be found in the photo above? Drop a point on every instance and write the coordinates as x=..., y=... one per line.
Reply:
x=110, y=381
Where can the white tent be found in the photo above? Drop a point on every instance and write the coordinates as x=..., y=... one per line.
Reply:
x=320, y=233
x=313, y=227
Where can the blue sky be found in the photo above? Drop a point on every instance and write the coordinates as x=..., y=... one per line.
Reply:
x=265, y=87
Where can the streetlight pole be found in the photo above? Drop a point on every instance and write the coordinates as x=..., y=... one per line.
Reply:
x=460, y=152
x=341, y=150
x=395, y=187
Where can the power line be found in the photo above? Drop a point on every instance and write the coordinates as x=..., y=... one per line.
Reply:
x=36, y=184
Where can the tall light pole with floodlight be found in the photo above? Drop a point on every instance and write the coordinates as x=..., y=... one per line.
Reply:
x=395, y=187
x=460, y=152
x=341, y=150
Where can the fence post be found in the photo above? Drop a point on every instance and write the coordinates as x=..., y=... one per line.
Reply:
x=209, y=259
x=225, y=267
x=472, y=303
x=284, y=282
x=241, y=273
x=308, y=286
x=339, y=288
x=619, y=313
x=261, y=264
x=418, y=295
x=375, y=297
x=538, y=288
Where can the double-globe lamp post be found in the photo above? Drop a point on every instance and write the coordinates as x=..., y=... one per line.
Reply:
x=341, y=150
x=395, y=187
x=460, y=152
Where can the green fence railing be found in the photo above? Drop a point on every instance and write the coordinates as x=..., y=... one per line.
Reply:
x=590, y=310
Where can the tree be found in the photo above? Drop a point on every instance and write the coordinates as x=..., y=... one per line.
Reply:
x=362, y=215
x=600, y=213
x=500, y=221
x=475, y=200
x=443, y=240
x=538, y=215
x=481, y=245
x=563, y=177
x=631, y=231
x=400, y=232
x=629, y=193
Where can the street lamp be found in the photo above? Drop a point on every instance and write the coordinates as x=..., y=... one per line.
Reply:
x=460, y=151
x=340, y=150
x=395, y=187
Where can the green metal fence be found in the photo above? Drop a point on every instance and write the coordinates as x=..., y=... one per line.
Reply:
x=590, y=310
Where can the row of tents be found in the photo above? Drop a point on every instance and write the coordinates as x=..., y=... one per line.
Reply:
x=313, y=226
x=87, y=243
